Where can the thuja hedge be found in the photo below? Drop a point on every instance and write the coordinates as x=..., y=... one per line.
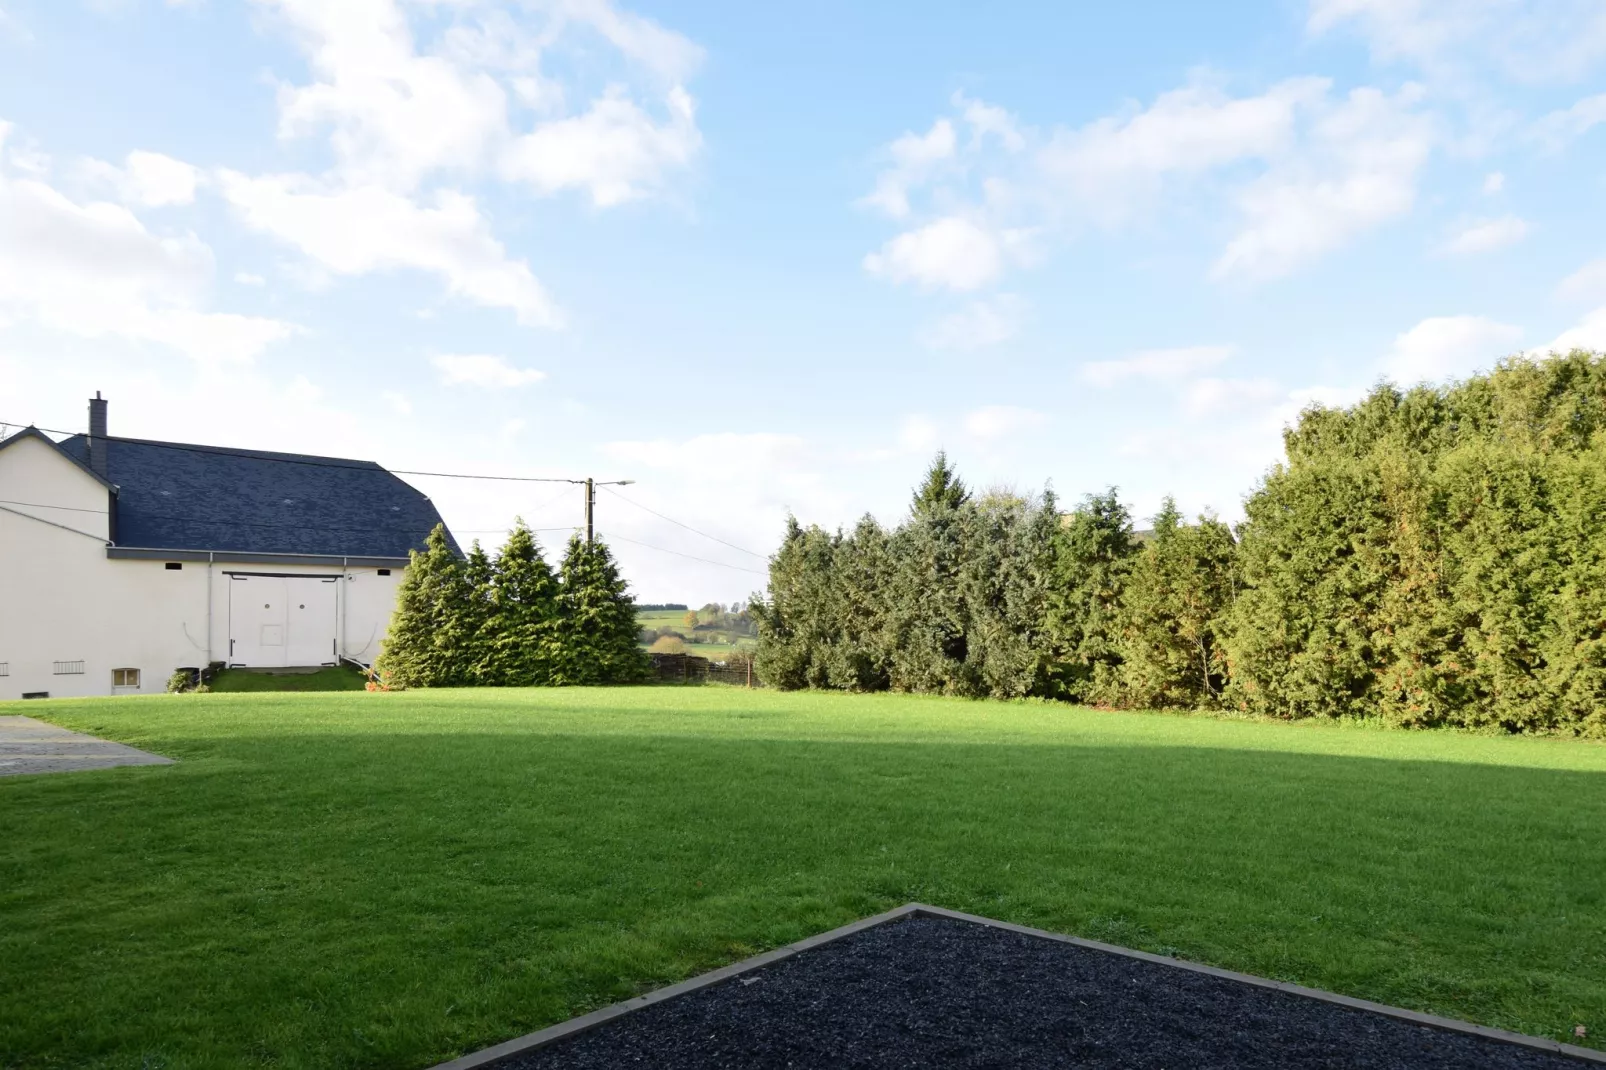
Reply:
x=1434, y=556
x=509, y=620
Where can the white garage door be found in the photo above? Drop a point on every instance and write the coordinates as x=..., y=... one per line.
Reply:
x=279, y=621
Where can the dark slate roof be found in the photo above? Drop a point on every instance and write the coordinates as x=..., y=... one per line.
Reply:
x=175, y=496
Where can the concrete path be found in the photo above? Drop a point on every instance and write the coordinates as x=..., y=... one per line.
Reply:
x=30, y=746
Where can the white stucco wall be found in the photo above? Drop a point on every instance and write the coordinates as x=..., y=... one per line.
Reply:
x=63, y=600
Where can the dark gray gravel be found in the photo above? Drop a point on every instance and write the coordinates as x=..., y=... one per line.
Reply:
x=934, y=992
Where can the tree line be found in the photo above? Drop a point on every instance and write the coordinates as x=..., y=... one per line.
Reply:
x=1432, y=556
x=511, y=620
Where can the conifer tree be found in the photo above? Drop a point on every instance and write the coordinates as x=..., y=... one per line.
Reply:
x=927, y=616
x=427, y=646
x=1094, y=555
x=1173, y=612
x=522, y=628
x=473, y=614
x=596, y=620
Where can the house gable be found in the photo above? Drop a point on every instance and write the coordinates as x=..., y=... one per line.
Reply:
x=43, y=483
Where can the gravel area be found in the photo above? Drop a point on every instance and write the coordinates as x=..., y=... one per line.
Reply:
x=935, y=992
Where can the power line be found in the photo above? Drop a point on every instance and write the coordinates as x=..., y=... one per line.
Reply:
x=290, y=522
x=677, y=553
x=688, y=527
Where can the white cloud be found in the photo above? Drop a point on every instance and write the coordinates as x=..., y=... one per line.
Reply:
x=1156, y=365
x=1447, y=347
x=483, y=370
x=1487, y=235
x=1560, y=127
x=1308, y=172
x=392, y=115
x=246, y=278
x=987, y=120
x=1529, y=40
x=147, y=179
x=1493, y=183
x=1359, y=170
x=398, y=402
x=955, y=252
x=614, y=150
x=396, y=113
x=356, y=230
x=1588, y=333
x=997, y=421
x=914, y=158
x=1115, y=165
x=982, y=323
x=1588, y=283
x=94, y=270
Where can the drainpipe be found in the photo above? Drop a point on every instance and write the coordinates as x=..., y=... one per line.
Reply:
x=211, y=557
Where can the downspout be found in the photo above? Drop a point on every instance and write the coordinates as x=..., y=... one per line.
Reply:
x=344, y=579
x=210, y=556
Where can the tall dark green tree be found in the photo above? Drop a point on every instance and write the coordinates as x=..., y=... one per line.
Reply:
x=1081, y=618
x=428, y=645
x=521, y=630
x=926, y=615
x=472, y=615
x=1173, y=613
x=941, y=491
x=596, y=620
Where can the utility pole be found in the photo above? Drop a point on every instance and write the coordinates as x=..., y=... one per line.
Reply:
x=591, y=486
x=591, y=508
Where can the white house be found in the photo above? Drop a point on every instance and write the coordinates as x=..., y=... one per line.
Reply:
x=122, y=560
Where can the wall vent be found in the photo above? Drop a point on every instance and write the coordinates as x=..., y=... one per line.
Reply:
x=67, y=668
x=5, y=668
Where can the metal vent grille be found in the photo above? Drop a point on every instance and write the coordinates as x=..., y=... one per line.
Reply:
x=67, y=668
x=5, y=668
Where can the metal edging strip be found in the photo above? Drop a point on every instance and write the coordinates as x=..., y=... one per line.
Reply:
x=520, y=1045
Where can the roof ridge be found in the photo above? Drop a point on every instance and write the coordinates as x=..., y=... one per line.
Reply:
x=237, y=451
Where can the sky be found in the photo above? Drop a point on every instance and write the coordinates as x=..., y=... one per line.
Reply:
x=765, y=258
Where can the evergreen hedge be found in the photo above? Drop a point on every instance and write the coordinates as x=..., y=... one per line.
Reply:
x=1433, y=556
x=509, y=621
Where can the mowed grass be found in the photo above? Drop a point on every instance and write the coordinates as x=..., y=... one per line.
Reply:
x=386, y=880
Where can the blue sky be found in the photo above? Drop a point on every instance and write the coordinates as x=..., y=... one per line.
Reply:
x=761, y=258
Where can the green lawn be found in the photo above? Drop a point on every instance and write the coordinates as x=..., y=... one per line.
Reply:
x=385, y=880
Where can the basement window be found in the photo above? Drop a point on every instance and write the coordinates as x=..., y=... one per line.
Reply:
x=384, y=572
x=36, y=694
x=125, y=677
x=67, y=668
x=174, y=566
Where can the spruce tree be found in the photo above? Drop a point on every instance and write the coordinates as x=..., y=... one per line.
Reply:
x=473, y=614
x=1095, y=551
x=1173, y=613
x=426, y=646
x=522, y=629
x=596, y=620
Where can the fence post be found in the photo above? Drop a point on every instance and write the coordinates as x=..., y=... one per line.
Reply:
x=749, y=674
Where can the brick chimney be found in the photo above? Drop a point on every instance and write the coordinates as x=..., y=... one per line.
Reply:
x=97, y=435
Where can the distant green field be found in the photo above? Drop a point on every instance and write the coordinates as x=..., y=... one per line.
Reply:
x=660, y=618
x=386, y=880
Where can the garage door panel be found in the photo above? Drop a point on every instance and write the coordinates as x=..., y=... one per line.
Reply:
x=279, y=621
